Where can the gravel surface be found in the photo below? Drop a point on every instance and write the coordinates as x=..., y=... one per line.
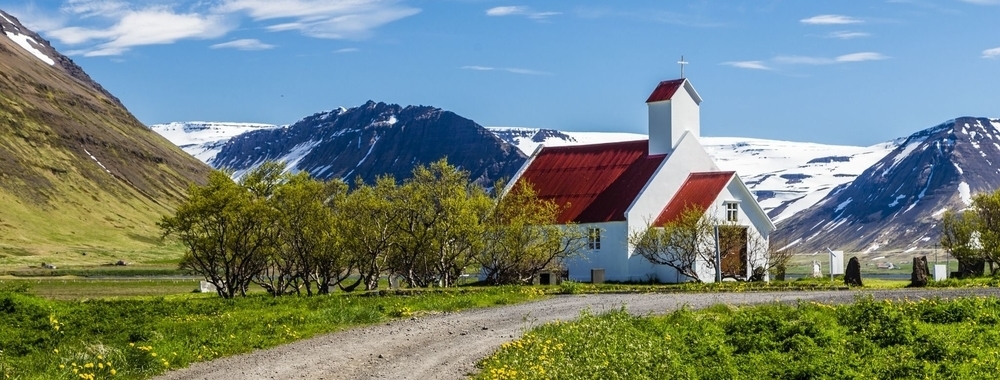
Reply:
x=448, y=345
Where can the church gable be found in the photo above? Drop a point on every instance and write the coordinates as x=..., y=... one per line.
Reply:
x=598, y=182
x=699, y=190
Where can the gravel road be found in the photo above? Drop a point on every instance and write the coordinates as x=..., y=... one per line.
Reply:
x=448, y=345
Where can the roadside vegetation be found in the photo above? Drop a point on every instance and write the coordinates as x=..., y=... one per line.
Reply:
x=293, y=234
x=867, y=339
x=136, y=338
x=973, y=235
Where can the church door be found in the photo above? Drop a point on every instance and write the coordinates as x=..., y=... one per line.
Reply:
x=733, y=249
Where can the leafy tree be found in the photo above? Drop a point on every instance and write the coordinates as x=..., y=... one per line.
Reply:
x=987, y=207
x=369, y=226
x=309, y=249
x=522, y=239
x=959, y=234
x=333, y=264
x=280, y=275
x=681, y=244
x=440, y=221
x=226, y=232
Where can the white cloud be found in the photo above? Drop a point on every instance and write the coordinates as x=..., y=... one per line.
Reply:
x=754, y=65
x=507, y=69
x=94, y=8
x=861, y=57
x=805, y=60
x=802, y=60
x=506, y=11
x=244, y=44
x=35, y=18
x=346, y=50
x=151, y=26
x=846, y=35
x=992, y=53
x=830, y=20
x=516, y=10
x=323, y=18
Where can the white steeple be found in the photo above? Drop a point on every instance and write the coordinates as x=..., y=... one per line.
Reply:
x=674, y=107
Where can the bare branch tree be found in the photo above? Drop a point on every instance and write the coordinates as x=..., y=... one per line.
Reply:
x=681, y=244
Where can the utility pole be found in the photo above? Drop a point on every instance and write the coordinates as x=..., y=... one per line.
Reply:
x=718, y=253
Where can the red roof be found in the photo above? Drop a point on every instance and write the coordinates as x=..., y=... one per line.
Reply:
x=665, y=90
x=598, y=182
x=699, y=190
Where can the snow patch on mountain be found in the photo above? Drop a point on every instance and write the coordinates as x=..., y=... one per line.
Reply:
x=965, y=192
x=528, y=139
x=29, y=44
x=291, y=160
x=204, y=139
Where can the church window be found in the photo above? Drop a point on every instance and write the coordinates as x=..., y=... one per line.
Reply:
x=732, y=211
x=594, y=238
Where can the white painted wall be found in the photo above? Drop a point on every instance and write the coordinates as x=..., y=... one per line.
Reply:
x=613, y=255
x=685, y=115
x=758, y=227
x=689, y=157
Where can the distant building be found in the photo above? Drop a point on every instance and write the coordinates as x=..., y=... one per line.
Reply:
x=615, y=189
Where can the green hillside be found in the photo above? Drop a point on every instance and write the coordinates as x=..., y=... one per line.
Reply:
x=82, y=182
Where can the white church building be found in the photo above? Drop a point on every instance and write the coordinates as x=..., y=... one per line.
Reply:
x=616, y=189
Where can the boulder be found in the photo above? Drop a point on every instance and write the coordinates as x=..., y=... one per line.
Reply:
x=918, y=278
x=852, y=276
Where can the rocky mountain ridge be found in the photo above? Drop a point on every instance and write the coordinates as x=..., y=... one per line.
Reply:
x=371, y=140
x=897, y=202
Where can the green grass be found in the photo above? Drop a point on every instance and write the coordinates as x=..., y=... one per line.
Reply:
x=141, y=337
x=868, y=339
x=73, y=288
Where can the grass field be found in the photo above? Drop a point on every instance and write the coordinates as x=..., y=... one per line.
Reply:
x=138, y=337
x=74, y=288
x=801, y=265
x=930, y=339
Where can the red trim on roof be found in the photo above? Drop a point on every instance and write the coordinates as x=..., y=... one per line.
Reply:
x=665, y=90
x=699, y=190
x=598, y=182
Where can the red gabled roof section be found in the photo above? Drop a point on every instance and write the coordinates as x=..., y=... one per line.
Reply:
x=598, y=182
x=699, y=190
x=665, y=90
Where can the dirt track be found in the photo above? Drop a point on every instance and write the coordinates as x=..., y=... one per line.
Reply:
x=447, y=346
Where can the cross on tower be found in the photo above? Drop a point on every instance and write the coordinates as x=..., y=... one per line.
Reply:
x=682, y=62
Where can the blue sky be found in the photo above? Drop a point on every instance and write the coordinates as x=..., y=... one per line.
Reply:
x=849, y=72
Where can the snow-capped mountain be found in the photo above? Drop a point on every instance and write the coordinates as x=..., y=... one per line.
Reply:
x=529, y=139
x=39, y=48
x=203, y=139
x=372, y=140
x=787, y=177
x=897, y=202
